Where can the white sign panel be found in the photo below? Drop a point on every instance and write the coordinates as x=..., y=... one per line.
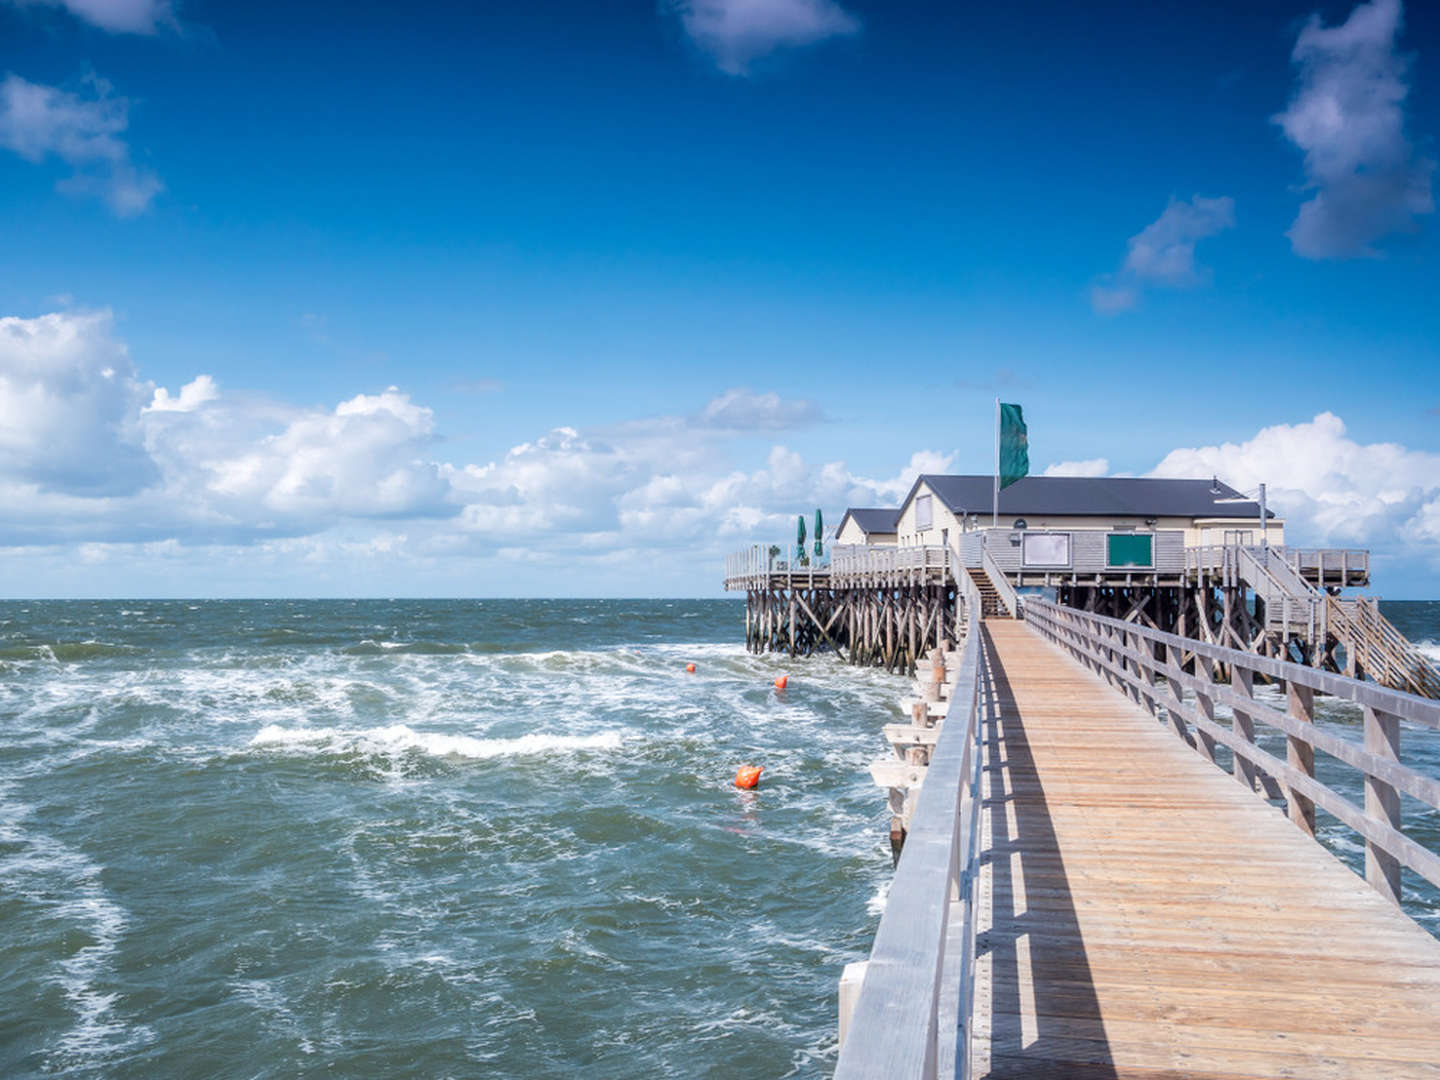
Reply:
x=1046, y=549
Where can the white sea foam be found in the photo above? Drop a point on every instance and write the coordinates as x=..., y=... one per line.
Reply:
x=400, y=738
x=44, y=870
x=1430, y=648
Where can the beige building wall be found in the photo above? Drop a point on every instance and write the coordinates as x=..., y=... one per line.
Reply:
x=942, y=522
x=851, y=533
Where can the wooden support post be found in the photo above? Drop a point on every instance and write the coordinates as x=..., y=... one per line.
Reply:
x=897, y=821
x=1382, y=803
x=1242, y=681
x=1301, y=756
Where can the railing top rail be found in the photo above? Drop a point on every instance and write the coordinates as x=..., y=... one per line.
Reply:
x=894, y=1028
x=1395, y=702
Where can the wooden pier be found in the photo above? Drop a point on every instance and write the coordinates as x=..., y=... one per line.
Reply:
x=889, y=606
x=1106, y=875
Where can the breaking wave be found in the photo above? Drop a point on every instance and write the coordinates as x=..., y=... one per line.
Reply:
x=400, y=738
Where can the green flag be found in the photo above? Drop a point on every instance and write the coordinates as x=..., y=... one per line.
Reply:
x=1014, y=445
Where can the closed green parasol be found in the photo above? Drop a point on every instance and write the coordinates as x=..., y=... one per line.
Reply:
x=800, y=537
x=819, y=533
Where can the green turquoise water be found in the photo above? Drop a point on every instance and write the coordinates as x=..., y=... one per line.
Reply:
x=498, y=838
x=456, y=838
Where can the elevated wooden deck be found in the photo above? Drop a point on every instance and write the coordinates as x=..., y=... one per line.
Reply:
x=1142, y=914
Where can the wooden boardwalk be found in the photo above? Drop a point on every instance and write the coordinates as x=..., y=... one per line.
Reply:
x=1142, y=915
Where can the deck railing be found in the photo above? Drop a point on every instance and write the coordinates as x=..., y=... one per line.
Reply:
x=760, y=561
x=971, y=601
x=863, y=561
x=1342, y=562
x=895, y=1028
x=1148, y=665
x=1002, y=585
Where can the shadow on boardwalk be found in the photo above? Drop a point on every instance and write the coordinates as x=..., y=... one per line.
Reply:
x=1043, y=1011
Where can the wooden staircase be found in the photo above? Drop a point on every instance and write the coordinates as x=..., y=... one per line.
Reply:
x=990, y=602
x=1374, y=647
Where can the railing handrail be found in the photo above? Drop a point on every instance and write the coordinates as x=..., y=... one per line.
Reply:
x=894, y=1029
x=1001, y=582
x=969, y=591
x=1149, y=666
x=1407, y=706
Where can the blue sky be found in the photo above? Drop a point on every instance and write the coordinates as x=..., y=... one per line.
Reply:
x=646, y=280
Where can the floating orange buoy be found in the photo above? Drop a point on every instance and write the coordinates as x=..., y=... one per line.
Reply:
x=782, y=682
x=690, y=668
x=748, y=776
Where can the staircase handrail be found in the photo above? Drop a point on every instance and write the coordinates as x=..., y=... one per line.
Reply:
x=1002, y=584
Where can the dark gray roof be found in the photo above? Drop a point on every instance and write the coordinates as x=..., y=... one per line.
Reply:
x=873, y=519
x=1105, y=496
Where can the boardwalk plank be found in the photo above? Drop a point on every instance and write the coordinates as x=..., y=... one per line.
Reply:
x=1143, y=916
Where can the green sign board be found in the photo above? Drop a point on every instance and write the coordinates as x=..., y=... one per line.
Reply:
x=1130, y=549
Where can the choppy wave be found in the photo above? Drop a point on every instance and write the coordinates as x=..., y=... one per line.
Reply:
x=420, y=837
x=1431, y=650
x=400, y=738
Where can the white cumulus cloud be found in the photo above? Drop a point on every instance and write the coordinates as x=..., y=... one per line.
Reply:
x=1347, y=115
x=1331, y=489
x=70, y=407
x=736, y=33
x=38, y=122
x=1163, y=253
x=192, y=395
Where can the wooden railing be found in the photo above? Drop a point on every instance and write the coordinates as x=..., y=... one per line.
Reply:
x=880, y=564
x=1148, y=665
x=894, y=1030
x=1379, y=650
x=1342, y=562
x=971, y=601
x=759, y=562
x=1001, y=583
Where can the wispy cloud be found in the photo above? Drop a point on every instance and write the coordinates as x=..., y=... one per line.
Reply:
x=116, y=16
x=744, y=410
x=736, y=33
x=1163, y=253
x=1347, y=115
x=1088, y=467
x=38, y=122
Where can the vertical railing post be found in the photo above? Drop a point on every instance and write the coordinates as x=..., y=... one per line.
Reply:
x=1382, y=803
x=1301, y=756
x=1242, y=681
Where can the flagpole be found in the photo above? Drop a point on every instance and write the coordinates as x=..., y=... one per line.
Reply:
x=995, y=506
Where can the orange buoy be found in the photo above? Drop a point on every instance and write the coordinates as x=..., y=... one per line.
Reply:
x=690, y=668
x=748, y=776
x=782, y=682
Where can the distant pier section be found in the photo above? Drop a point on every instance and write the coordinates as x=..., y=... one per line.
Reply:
x=1190, y=557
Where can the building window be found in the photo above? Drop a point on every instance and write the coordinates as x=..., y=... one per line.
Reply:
x=923, y=513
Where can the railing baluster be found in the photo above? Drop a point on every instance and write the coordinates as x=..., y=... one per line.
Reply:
x=1242, y=681
x=1301, y=756
x=1382, y=802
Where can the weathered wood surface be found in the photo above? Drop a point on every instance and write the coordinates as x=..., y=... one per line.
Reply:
x=1143, y=915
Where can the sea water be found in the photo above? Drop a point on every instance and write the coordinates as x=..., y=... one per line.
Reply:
x=449, y=838
x=463, y=838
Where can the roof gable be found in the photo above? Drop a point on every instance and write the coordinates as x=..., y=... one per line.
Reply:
x=872, y=519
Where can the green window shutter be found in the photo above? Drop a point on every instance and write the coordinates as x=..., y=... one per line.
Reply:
x=1130, y=549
